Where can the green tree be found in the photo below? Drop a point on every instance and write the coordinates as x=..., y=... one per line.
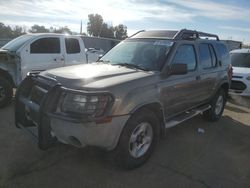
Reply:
x=98, y=28
x=5, y=31
x=38, y=29
x=8, y=32
x=107, y=31
x=120, y=32
x=64, y=29
x=18, y=31
x=95, y=24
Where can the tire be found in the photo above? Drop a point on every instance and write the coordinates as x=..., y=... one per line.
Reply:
x=217, y=107
x=6, y=92
x=141, y=131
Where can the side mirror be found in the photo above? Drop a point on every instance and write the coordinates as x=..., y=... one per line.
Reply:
x=177, y=69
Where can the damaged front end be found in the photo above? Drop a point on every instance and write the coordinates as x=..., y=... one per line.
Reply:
x=10, y=66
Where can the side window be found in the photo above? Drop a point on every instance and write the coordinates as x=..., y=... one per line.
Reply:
x=72, y=46
x=205, y=56
x=185, y=54
x=46, y=46
x=223, y=54
x=212, y=52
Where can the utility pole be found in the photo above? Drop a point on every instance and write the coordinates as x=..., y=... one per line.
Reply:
x=81, y=28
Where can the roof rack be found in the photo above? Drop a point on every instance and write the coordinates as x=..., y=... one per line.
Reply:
x=185, y=34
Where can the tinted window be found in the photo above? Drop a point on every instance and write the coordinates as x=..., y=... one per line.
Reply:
x=205, y=56
x=45, y=46
x=213, y=56
x=185, y=54
x=72, y=46
x=223, y=54
x=240, y=60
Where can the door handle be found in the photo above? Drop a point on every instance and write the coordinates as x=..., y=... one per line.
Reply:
x=198, y=77
x=58, y=59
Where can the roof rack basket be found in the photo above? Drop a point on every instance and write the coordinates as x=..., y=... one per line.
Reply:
x=185, y=34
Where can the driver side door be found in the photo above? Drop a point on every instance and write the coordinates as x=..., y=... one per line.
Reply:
x=179, y=92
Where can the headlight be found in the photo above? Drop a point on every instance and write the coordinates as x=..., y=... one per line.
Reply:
x=85, y=104
x=248, y=78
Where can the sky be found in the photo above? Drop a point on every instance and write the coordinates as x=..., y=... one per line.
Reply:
x=230, y=19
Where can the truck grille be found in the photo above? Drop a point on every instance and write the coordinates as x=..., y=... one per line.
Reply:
x=237, y=76
x=238, y=86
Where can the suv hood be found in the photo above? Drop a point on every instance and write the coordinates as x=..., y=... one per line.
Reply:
x=94, y=75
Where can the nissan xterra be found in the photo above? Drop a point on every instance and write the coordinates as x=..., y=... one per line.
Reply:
x=149, y=82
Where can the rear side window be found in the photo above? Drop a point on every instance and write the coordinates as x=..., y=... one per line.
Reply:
x=72, y=46
x=213, y=56
x=205, y=56
x=223, y=54
x=185, y=54
x=46, y=46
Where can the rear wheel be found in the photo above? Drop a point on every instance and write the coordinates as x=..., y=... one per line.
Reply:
x=137, y=140
x=217, y=107
x=6, y=92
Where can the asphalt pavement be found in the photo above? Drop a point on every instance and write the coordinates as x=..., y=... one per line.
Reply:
x=193, y=154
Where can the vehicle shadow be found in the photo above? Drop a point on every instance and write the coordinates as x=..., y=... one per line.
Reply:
x=185, y=157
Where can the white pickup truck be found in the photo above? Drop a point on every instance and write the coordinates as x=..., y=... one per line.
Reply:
x=36, y=53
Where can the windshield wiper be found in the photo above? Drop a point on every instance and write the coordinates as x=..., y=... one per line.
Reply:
x=129, y=65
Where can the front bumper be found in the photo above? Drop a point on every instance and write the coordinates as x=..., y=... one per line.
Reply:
x=104, y=135
x=37, y=115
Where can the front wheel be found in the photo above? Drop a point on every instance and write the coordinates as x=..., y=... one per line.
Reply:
x=217, y=107
x=137, y=140
x=6, y=92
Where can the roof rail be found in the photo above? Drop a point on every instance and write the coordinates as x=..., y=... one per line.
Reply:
x=193, y=35
x=136, y=33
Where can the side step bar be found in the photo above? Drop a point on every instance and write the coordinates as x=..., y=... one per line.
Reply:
x=185, y=116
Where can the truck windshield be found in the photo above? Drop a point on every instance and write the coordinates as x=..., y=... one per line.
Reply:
x=16, y=43
x=240, y=59
x=145, y=54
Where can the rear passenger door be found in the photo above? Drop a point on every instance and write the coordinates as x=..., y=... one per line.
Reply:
x=74, y=51
x=208, y=70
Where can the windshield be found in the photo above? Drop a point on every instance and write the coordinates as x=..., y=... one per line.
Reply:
x=16, y=43
x=145, y=54
x=240, y=59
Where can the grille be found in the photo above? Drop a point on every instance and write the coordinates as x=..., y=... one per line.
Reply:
x=237, y=76
x=238, y=85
